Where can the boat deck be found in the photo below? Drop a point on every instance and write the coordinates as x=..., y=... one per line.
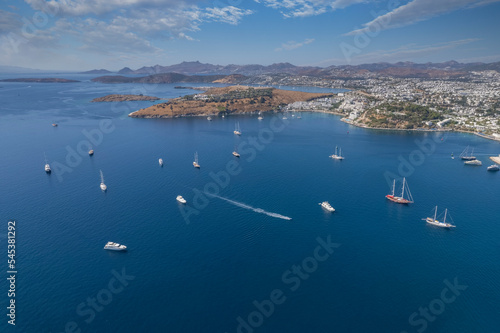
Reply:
x=495, y=159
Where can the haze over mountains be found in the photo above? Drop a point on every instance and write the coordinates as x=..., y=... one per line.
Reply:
x=396, y=69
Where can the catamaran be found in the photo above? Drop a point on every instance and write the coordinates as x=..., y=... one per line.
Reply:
x=237, y=130
x=437, y=223
x=338, y=154
x=103, y=186
x=195, y=163
x=466, y=156
x=401, y=199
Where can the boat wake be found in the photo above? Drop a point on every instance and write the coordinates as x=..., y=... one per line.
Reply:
x=257, y=210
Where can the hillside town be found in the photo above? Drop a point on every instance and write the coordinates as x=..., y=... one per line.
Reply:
x=467, y=103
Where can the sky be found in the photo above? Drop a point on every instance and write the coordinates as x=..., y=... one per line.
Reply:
x=112, y=34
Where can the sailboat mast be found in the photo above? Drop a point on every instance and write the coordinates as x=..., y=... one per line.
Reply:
x=403, y=189
x=445, y=212
x=435, y=213
x=393, y=186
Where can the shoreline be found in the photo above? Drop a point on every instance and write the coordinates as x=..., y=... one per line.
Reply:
x=345, y=120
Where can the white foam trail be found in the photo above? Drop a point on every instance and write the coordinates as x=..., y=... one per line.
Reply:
x=257, y=210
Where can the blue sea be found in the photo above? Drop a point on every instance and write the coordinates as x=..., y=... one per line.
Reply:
x=252, y=251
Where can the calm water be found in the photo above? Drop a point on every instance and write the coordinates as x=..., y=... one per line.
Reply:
x=203, y=276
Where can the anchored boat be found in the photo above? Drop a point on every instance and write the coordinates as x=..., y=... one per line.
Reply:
x=401, y=199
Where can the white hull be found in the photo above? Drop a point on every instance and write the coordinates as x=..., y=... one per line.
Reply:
x=181, y=199
x=336, y=157
x=160, y=162
x=327, y=206
x=103, y=187
x=474, y=162
x=236, y=154
x=438, y=223
x=47, y=168
x=114, y=247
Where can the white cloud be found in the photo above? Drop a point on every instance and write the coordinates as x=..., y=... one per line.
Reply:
x=9, y=21
x=303, y=8
x=292, y=45
x=415, y=11
x=229, y=14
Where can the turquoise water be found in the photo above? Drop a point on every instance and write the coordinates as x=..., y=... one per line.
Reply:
x=204, y=275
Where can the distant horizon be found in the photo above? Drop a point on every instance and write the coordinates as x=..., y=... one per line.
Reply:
x=25, y=69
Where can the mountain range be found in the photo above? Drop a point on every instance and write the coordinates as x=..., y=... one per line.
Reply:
x=395, y=69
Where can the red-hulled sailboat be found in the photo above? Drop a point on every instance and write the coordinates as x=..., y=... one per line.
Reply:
x=401, y=199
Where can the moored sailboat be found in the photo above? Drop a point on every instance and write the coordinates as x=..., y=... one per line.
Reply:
x=401, y=199
x=434, y=221
x=338, y=154
x=465, y=155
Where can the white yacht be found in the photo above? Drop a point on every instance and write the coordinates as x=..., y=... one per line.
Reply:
x=209, y=118
x=181, y=199
x=160, y=161
x=195, y=163
x=327, y=206
x=115, y=247
x=103, y=186
x=338, y=154
x=260, y=118
x=437, y=223
x=494, y=167
x=474, y=162
x=91, y=152
x=236, y=154
x=237, y=130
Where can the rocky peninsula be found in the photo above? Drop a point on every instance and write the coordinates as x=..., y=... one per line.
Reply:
x=227, y=100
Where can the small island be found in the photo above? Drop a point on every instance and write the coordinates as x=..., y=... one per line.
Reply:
x=232, y=99
x=40, y=80
x=124, y=98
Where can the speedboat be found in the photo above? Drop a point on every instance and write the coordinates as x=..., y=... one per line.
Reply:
x=494, y=167
x=260, y=118
x=160, y=162
x=47, y=168
x=236, y=154
x=91, y=152
x=54, y=125
x=181, y=199
x=209, y=118
x=102, y=186
x=327, y=206
x=115, y=247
